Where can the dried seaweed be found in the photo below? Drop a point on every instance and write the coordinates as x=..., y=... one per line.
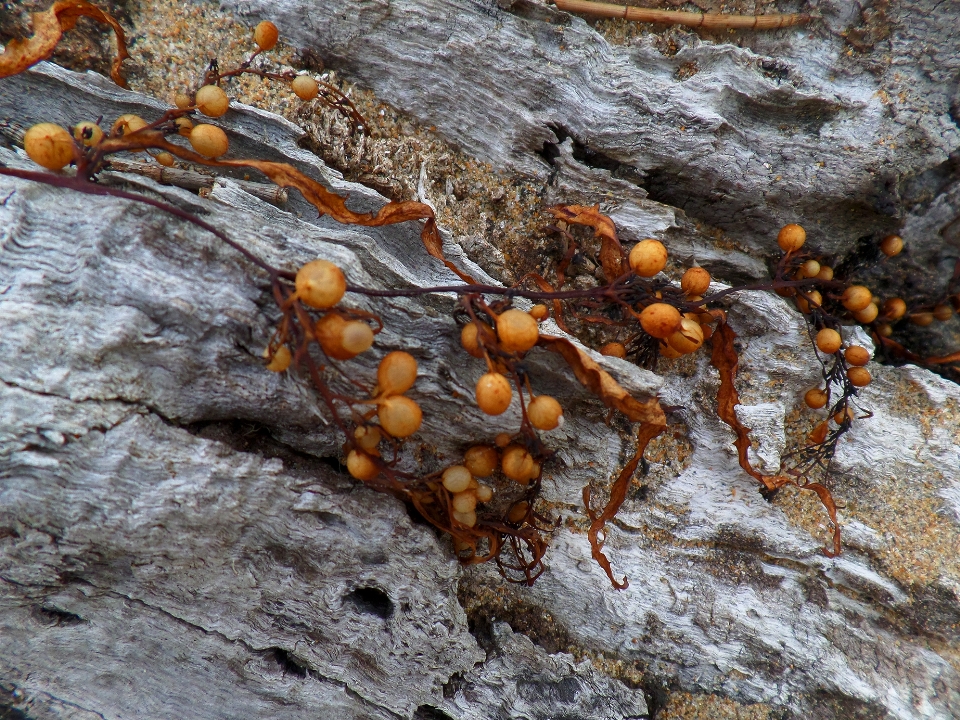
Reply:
x=49, y=27
x=602, y=385
x=283, y=175
x=612, y=257
x=725, y=359
x=618, y=493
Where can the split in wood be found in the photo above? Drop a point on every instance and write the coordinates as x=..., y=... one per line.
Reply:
x=14, y=131
x=190, y=180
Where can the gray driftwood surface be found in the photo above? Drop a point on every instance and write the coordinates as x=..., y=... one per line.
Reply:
x=159, y=558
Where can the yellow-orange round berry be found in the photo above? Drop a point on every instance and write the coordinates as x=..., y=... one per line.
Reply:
x=815, y=398
x=320, y=284
x=810, y=269
x=844, y=415
x=493, y=393
x=518, y=464
x=535, y=472
x=357, y=337
x=544, y=412
x=49, y=146
x=502, y=440
x=212, y=101
x=518, y=512
x=791, y=238
x=829, y=341
x=329, y=331
x=539, y=313
x=867, y=315
x=305, y=87
x=468, y=518
x=667, y=351
x=808, y=299
x=165, y=159
x=464, y=502
x=660, y=320
x=943, y=312
x=456, y=479
x=265, y=35
x=481, y=460
x=856, y=355
x=695, y=281
x=648, y=257
x=891, y=245
x=368, y=437
x=826, y=273
x=894, y=309
x=399, y=416
x=184, y=126
x=209, y=140
x=470, y=337
x=87, y=133
x=361, y=466
x=856, y=298
x=396, y=373
x=859, y=376
x=921, y=318
x=687, y=338
x=182, y=100
x=517, y=331
x=484, y=493
x=614, y=349
x=280, y=360
x=127, y=124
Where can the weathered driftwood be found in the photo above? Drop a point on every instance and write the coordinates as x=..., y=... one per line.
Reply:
x=191, y=180
x=783, y=125
x=847, y=124
x=157, y=559
x=246, y=585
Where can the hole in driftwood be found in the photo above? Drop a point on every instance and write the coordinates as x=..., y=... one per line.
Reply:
x=371, y=601
x=588, y=156
x=288, y=662
x=428, y=712
x=56, y=616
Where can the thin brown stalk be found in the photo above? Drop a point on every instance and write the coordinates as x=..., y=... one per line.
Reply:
x=709, y=21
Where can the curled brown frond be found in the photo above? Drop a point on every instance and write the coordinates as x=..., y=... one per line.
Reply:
x=48, y=28
x=612, y=257
x=725, y=359
x=601, y=383
x=287, y=176
x=618, y=493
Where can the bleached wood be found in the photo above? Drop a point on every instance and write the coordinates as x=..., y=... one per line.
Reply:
x=151, y=558
x=771, y=128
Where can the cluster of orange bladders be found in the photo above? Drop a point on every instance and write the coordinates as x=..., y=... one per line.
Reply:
x=52, y=146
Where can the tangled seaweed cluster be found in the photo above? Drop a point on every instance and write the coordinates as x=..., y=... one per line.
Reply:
x=488, y=502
